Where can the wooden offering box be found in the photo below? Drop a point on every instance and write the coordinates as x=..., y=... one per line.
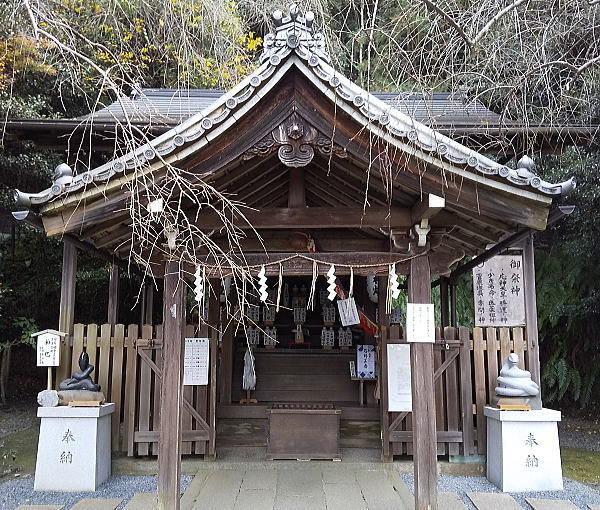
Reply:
x=304, y=431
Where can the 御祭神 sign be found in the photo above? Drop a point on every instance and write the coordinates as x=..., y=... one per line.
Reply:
x=420, y=323
x=498, y=292
x=195, y=361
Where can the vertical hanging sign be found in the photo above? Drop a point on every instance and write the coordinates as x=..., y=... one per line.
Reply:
x=498, y=292
x=420, y=323
x=195, y=362
x=348, y=312
x=399, y=381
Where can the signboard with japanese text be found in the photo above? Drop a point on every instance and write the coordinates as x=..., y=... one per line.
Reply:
x=365, y=361
x=399, y=381
x=498, y=292
x=420, y=323
x=195, y=361
x=48, y=350
x=348, y=312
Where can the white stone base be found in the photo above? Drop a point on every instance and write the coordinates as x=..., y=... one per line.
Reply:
x=73, y=448
x=522, y=450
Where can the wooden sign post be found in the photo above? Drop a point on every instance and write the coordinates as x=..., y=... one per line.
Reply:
x=48, y=350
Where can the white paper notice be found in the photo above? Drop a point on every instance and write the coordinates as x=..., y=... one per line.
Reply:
x=195, y=361
x=348, y=312
x=420, y=323
x=399, y=385
x=48, y=350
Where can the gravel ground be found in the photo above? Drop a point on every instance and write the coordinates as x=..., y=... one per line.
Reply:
x=18, y=416
x=578, y=493
x=584, y=434
x=20, y=491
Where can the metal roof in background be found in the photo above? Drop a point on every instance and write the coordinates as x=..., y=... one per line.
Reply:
x=172, y=106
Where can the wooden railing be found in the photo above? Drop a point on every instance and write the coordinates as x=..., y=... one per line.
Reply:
x=127, y=362
x=466, y=364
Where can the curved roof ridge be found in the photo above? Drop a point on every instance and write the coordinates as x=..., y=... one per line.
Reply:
x=294, y=36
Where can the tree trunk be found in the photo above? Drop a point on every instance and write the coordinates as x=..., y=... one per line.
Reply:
x=4, y=372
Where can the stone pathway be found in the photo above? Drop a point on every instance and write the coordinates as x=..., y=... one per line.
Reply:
x=310, y=486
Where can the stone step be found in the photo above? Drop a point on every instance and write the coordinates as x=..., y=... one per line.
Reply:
x=142, y=502
x=594, y=507
x=450, y=501
x=551, y=504
x=493, y=501
x=97, y=504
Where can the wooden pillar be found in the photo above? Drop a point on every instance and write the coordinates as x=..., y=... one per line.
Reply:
x=214, y=309
x=113, y=294
x=444, y=302
x=453, y=319
x=171, y=389
x=531, y=322
x=384, y=322
x=147, y=298
x=227, y=350
x=67, y=308
x=423, y=398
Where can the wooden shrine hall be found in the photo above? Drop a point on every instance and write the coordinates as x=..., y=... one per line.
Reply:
x=294, y=170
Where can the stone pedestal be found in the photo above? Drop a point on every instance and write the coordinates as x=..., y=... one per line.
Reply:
x=73, y=448
x=522, y=450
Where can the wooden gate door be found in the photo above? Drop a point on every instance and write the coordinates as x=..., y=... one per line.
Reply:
x=199, y=402
x=453, y=396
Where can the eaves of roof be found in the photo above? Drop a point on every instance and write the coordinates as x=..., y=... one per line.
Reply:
x=298, y=48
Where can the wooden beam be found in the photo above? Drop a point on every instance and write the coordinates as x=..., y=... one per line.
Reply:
x=427, y=208
x=171, y=389
x=312, y=217
x=423, y=398
x=327, y=243
x=67, y=308
x=531, y=322
x=113, y=294
x=373, y=263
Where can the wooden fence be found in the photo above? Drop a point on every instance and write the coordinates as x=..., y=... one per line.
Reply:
x=466, y=364
x=128, y=366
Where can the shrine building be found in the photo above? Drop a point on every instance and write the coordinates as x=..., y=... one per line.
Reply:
x=290, y=208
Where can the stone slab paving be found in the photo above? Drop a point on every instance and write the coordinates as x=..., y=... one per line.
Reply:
x=141, y=502
x=255, y=499
x=493, y=501
x=378, y=491
x=551, y=504
x=189, y=497
x=220, y=490
x=97, y=504
x=594, y=507
x=339, y=496
x=40, y=507
x=450, y=501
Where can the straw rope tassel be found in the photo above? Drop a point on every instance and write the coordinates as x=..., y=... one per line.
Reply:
x=311, y=296
x=279, y=286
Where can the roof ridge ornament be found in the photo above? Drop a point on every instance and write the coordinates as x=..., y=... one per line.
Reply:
x=293, y=33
